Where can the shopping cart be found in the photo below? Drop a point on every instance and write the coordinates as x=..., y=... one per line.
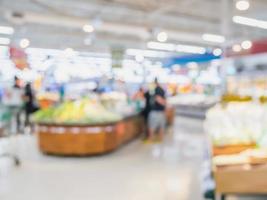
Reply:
x=6, y=117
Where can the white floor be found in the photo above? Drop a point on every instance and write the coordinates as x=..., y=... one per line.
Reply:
x=137, y=171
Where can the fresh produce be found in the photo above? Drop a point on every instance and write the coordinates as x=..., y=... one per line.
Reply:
x=237, y=123
x=235, y=98
x=76, y=112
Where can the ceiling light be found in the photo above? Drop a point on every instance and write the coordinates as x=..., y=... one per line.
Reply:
x=242, y=5
x=161, y=46
x=246, y=44
x=4, y=41
x=88, y=28
x=236, y=48
x=178, y=48
x=190, y=49
x=213, y=38
x=147, y=53
x=162, y=37
x=6, y=30
x=24, y=43
x=250, y=22
x=217, y=52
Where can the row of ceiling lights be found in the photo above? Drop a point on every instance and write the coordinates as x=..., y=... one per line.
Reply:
x=241, y=5
x=163, y=36
x=6, y=30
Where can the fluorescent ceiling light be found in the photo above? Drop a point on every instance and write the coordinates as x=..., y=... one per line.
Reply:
x=147, y=53
x=161, y=46
x=4, y=41
x=250, y=22
x=242, y=5
x=246, y=44
x=6, y=30
x=190, y=49
x=213, y=38
x=178, y=48
x=162, y=37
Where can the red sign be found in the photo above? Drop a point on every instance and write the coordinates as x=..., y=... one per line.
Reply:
x=259, y=46
x=19, y=57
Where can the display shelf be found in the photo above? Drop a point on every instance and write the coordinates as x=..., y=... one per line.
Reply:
x=240, y=180
x=231, y=149
x=79, y=140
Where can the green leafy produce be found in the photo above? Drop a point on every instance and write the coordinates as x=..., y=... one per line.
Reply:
x=76, y=112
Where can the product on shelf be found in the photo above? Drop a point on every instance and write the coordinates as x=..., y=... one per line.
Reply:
x=83, y=111
x=236, y=98
x=237, y=124
x=47, y=99
x=118, y=102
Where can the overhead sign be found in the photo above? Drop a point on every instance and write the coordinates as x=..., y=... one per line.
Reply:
x=19, y=57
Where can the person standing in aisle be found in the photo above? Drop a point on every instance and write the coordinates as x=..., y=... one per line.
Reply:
x=157, y=118
x=143, y=95
x=12, y=98
x=29, y=100
x=146, y=112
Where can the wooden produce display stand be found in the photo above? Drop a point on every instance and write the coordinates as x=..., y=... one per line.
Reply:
x=239, y=179
x=231, y=149
x=80, y=140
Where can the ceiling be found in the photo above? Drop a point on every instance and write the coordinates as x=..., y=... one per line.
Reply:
x=127, y=23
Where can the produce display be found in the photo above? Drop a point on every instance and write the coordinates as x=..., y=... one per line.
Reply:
x=236, y=98
x=47, y=99
x=118, y=102
x=82, y=111
x=237, y=123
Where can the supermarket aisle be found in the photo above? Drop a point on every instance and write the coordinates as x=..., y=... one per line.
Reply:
x=165, y=171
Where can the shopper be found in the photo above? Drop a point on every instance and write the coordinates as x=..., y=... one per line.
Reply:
x=30, y=105
x=146, y=111
x=143, y=95
x=62, y=92
x=12, y=98
x=157, y=118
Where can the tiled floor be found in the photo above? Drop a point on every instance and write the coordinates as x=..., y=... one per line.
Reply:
x=137, y=171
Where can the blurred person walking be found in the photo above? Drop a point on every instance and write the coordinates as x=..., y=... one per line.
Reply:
x=157, y=117
x=12, y=98
x=143, y=95
x=29, y=103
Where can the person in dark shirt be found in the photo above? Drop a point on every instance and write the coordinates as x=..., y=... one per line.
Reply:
x=29, y=100
x=157, y=118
